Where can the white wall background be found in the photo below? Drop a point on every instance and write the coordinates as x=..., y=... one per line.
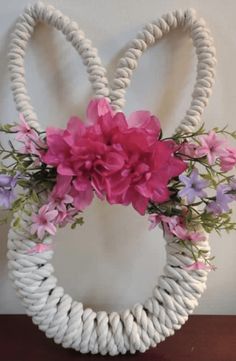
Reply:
x=113, y=261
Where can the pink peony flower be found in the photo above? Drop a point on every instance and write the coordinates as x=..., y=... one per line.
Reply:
x=211, y=146
x=145, y=175
x=228, y=159
x=120, y=159
x=62, y=187
x=98, y=108
x=43, y=222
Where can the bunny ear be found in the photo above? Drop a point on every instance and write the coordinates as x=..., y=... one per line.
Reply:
x=26, y=23
x=149, y=36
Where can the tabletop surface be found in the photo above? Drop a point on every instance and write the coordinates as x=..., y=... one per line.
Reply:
x=202, y=338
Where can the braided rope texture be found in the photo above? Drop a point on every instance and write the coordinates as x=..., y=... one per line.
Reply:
x=177, y=292
x=70, y=324
x=150, y=35
x=19, y=40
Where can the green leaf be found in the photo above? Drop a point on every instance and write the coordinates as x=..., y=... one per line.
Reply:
x=78, y=221
x=34, y=196
x=16, y=222
x=6, y=128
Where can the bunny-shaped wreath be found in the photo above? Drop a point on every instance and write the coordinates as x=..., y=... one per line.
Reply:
x=125, y=160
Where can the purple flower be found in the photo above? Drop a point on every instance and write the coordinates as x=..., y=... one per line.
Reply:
x=8, y=181
x=193, y=186
x=223, y=198
x=7, y=186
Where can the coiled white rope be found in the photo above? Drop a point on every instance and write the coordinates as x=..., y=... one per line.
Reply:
x=20, y=37
x=177, y=292
x=149, y=36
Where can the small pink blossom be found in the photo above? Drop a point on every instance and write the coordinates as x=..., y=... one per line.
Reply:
x=23, y=129
x=199, y=266
x=32, y=143
x=154, y=220
x=175, y=226
x=228, y=159
x=170, y=223
x=186, y=235
x=43, y=222
x=188, y=149
x=211, y=146
x=28, y=147
x=59, y=203
x=68, y=217
x=39, y=248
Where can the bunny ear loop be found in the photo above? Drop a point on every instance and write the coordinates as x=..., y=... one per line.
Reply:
x=177, y=292
x=149, y=36
x=19, y=41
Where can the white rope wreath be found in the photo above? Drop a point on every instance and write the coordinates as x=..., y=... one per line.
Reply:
x=177, y=292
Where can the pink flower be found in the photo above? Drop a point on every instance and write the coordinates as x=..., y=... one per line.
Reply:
x=145, y=175
x=228, y=159
x=29, y=147
x=32, y=143
x=192, y=236
x=82, y=193
x=58, y=150
x=145, y=121
x=62, y=187
x=60, y=204
x=175, y=226
x=120, y=159
x=170, y=223
x=199, y=266
x=211, y=146
x=188, y=149
x=69, y=217
x=24, y=131
x=98, y=108
x=39, y=248
x=44, y=221
x=154, y=220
